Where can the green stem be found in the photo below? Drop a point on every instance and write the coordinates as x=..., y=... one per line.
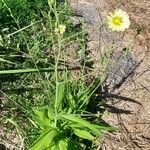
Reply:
x=56, y=78
x=17, y=71
x=54, y=9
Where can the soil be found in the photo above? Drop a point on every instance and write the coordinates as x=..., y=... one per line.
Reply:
x=129, y=84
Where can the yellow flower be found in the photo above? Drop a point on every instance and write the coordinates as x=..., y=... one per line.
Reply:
x=118, y=20
x=61, y=29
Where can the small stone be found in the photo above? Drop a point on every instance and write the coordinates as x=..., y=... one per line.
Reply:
x=89, y=12
x=121, y=67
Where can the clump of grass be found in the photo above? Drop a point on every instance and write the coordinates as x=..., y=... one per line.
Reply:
x=49, y=107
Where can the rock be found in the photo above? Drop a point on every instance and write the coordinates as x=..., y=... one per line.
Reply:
x=120, y=68
x=89, y=12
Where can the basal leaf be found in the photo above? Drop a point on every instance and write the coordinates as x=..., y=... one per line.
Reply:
x=63, y=145
x=55, y=147
x=45, y=139
x=41, y=118
x=84, y=134
x=82, y=122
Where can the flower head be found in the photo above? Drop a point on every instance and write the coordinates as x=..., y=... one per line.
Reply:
x=61, y=29
x=118, y=20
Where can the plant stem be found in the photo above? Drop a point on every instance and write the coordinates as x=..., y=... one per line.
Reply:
x=56, y=78
x=24, y=71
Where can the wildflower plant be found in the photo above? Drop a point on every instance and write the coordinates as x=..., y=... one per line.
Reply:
x=54, y=105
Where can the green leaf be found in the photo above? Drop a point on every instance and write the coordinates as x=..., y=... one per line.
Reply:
x=7, y=61
x=60, y=145
x=41, y=118
x=55, y=147
x=61, y=89
x=84, y=134
x=45, y=140
x=85, y=95
x=71, y=99
x=83, y=123
x=51, y=114
x=63, y=145
x=1, y=41
x=105, y=127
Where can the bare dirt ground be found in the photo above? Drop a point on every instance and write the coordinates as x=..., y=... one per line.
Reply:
x=134, y=133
